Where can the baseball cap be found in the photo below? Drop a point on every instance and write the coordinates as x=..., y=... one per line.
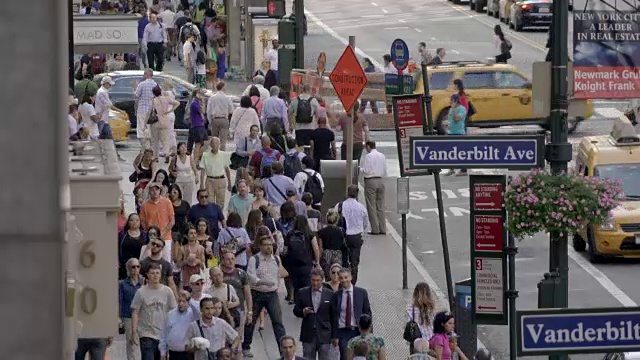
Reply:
x=107, y=80
x=154, y=184
x=195, y=278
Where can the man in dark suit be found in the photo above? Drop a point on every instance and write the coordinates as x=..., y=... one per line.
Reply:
x=437, y=60
x=347, y=305
x=313, y=305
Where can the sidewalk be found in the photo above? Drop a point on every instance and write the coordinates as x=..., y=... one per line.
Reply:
x=384, y=284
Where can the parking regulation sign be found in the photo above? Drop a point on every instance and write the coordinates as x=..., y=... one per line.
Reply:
x=399, y=54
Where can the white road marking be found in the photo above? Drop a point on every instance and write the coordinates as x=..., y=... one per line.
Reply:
x=374, y=4
x=601, y=278
x=418, y=30
x=455, y=52
x=385, y=11
x=366, y=16
x=402, y=21
x=397, y=28
x=442, y=299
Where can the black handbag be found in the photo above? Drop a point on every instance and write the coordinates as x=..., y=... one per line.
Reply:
x=411, y=329
x=235, y=314
x=237, y=160
x=153, y=117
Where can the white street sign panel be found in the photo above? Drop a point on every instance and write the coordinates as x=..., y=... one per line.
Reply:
x=489, y=286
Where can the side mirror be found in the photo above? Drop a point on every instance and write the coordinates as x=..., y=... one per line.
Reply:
x=528, y=85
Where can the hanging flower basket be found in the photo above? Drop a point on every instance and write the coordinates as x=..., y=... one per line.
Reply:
x=538, y=201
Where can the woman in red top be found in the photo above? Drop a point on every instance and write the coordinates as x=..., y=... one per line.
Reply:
x=464, y=101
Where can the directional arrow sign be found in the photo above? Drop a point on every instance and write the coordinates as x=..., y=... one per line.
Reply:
x=487, y=196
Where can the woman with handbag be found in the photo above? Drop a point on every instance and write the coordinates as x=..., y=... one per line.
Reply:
x=331, y=240
x=160, y=121
x=243, y=118
x=245, y=147
x=420, y=315
x=183, y=169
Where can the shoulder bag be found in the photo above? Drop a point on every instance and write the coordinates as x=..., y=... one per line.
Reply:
x=235, y=314
x=210, y=355
x=412, y=329
x=237, y=160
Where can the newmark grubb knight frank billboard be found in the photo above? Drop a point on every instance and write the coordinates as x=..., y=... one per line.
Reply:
x=606, y=49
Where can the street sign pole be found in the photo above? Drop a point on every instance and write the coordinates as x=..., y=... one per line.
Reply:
x=403, y=209
x=559, y=151
x=349, y=133
x=438, y=185
x=512, y=294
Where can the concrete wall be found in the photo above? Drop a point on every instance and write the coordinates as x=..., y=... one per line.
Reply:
x=34, y=105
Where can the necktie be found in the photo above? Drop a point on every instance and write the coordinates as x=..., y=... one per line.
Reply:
x=347, y=320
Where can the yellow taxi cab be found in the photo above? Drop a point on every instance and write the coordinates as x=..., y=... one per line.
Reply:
x=500, y=93
x=120, y=125
x=615, y=156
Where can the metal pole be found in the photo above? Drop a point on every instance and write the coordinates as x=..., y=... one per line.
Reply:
x=405, y=280
x=299, y=16
x=438, y=184
x=71, y=43
x=400, y=83
x=512, y=294
x=559, y=150
x=348, y=136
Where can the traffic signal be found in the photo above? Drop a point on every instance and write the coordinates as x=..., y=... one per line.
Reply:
x=276, y=8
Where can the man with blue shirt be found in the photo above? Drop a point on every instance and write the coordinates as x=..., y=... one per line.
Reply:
x=172, y=341
x=142, y=23
x=209, y=211
x=457, y=119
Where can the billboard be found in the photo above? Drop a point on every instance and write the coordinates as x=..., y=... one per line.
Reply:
x=606, y=50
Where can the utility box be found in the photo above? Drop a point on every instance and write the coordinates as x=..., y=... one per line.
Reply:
x=334, y=176
x=94, y=185
x=466, y=328
x=548, y=293
x=542, y=93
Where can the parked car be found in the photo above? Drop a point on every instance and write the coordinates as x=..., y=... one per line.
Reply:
x=123, y=97
x=530, y=13
x=622, y=356
x=493, y=8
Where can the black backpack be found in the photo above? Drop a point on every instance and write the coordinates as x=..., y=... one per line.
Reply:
x=298, y=249
x=304, y=112
x=313, y=186
x=185, y=31
x=342, y=222
x=292, y=165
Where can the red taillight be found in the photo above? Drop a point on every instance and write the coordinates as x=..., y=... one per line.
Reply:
x=525, y=6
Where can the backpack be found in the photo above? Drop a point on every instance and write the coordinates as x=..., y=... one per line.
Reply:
x=304, y=112
x=313, y=186
x=267, y=159
x=255, y=105
x=297, y=248
x=185, y=31
x=258, y=260
x=342, y=222
x=292, y=165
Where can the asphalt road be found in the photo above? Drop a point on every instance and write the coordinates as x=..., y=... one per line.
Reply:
x=466, y=35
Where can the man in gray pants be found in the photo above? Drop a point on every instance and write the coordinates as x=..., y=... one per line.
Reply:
x=374, y=169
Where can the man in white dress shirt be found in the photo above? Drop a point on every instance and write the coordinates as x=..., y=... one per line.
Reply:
x=374, y=168
x=357, y=223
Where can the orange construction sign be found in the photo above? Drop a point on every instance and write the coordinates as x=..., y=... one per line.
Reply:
x=348, y=78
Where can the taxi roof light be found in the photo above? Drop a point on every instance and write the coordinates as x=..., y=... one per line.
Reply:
x=623, y=132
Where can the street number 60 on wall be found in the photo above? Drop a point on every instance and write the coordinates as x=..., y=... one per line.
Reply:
x=88, y=295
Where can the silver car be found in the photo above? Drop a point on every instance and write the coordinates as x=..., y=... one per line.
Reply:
x=622, y=356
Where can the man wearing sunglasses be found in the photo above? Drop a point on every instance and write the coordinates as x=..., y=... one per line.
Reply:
x=155, y=257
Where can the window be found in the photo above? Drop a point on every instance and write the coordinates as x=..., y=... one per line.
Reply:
x=510, y=80
x=478, y=80
x=126, y=84
x=440, y=80
x=179, y=86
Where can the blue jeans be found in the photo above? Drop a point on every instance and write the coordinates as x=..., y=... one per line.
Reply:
x=95, y=347
x=149, y=349
x=270, y=301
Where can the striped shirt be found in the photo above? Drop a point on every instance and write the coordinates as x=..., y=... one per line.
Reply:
x=144, y=93
x=267, y=270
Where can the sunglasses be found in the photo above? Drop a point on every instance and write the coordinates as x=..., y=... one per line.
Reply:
x=135, y=266
x=156, y=244
x=198, y=283
x=335, y=272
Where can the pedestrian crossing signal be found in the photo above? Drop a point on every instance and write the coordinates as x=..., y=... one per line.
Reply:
x=276, y=8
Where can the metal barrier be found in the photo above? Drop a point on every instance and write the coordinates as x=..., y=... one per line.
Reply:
x=334, y=175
